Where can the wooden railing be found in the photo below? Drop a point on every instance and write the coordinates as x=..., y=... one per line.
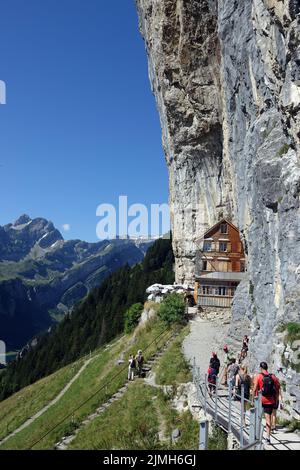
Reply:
x=214, y=301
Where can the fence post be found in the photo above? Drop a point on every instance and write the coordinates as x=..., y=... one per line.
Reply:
x=242, y=415
x=216, y=401
x=252, y=437
x=198, y=383
x=229, y=436
x=194, y=370
x=205, y=394
x=203, y=434
x=229, y=406
x=260, y=412
x=256, y=418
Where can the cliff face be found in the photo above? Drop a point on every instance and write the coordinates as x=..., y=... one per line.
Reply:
x=226, y=76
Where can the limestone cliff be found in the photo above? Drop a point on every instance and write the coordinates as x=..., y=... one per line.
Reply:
x=226, y=76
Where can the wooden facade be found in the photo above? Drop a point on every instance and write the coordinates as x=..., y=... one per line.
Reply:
x=220, y=264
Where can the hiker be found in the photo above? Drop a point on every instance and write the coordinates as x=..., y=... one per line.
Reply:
x=215, y=362
x=279, y=399
x=228, y=359
x=211, y=379
x=131, y=367
x=269, y=385
x=140, y=362
x=242, y=379
x=232, y=371
x=244, y=350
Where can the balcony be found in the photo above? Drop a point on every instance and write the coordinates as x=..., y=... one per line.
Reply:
x=222, y=276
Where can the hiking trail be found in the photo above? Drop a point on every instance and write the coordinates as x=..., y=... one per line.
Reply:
x=43, y=410
x=206, y=336
x=66, y=440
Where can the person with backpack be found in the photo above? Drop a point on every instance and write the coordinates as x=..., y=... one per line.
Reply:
x=211, y=379
x=232, y=371
x=140, y=362
x=242, y=379
x=131, y=367
x=215, y=362
x=269, y=386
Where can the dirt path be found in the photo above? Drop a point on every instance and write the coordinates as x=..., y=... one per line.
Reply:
x=66, y=440
x=31, y=420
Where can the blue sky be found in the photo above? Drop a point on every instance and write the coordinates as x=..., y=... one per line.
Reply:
x=80, y=126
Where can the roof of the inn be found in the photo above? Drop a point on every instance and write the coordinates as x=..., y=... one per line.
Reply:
x=211, y=229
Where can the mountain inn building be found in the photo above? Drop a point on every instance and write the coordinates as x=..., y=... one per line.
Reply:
x=220, y=266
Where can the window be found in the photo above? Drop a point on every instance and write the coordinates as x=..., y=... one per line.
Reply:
x=207, y=246
x=242, y=266
x=223, y=246
x=206, y=290
x=224, y=228
x=204, y=265
x=221, y=290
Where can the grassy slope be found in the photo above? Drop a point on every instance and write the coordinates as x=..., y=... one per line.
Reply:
x=135, y=421
x=102, y=369
x=18, y=408
x=173, y=368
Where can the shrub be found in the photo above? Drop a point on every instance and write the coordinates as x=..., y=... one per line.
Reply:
x=293, y=424
x=172, y=308
x=132, y=316
x=284, y=149
x=218, y=439
x=293, y=331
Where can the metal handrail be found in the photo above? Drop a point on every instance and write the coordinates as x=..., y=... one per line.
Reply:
x=232, y=419
x=250, y=446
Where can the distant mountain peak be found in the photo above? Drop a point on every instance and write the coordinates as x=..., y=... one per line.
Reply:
x=24, y=219
x=27, y=237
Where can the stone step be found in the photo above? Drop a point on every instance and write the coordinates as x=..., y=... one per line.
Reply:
x=147, y=368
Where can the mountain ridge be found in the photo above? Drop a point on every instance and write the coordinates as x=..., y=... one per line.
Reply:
x=42, y=276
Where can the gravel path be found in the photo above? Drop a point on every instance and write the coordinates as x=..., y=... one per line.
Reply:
x=205, y=337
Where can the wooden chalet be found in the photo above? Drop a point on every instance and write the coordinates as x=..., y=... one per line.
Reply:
x=220, y=265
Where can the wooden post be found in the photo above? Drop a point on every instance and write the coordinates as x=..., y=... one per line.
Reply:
x=196, y=293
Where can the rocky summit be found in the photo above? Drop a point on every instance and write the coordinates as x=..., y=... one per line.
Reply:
x=226, y=76
x=42, y=276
